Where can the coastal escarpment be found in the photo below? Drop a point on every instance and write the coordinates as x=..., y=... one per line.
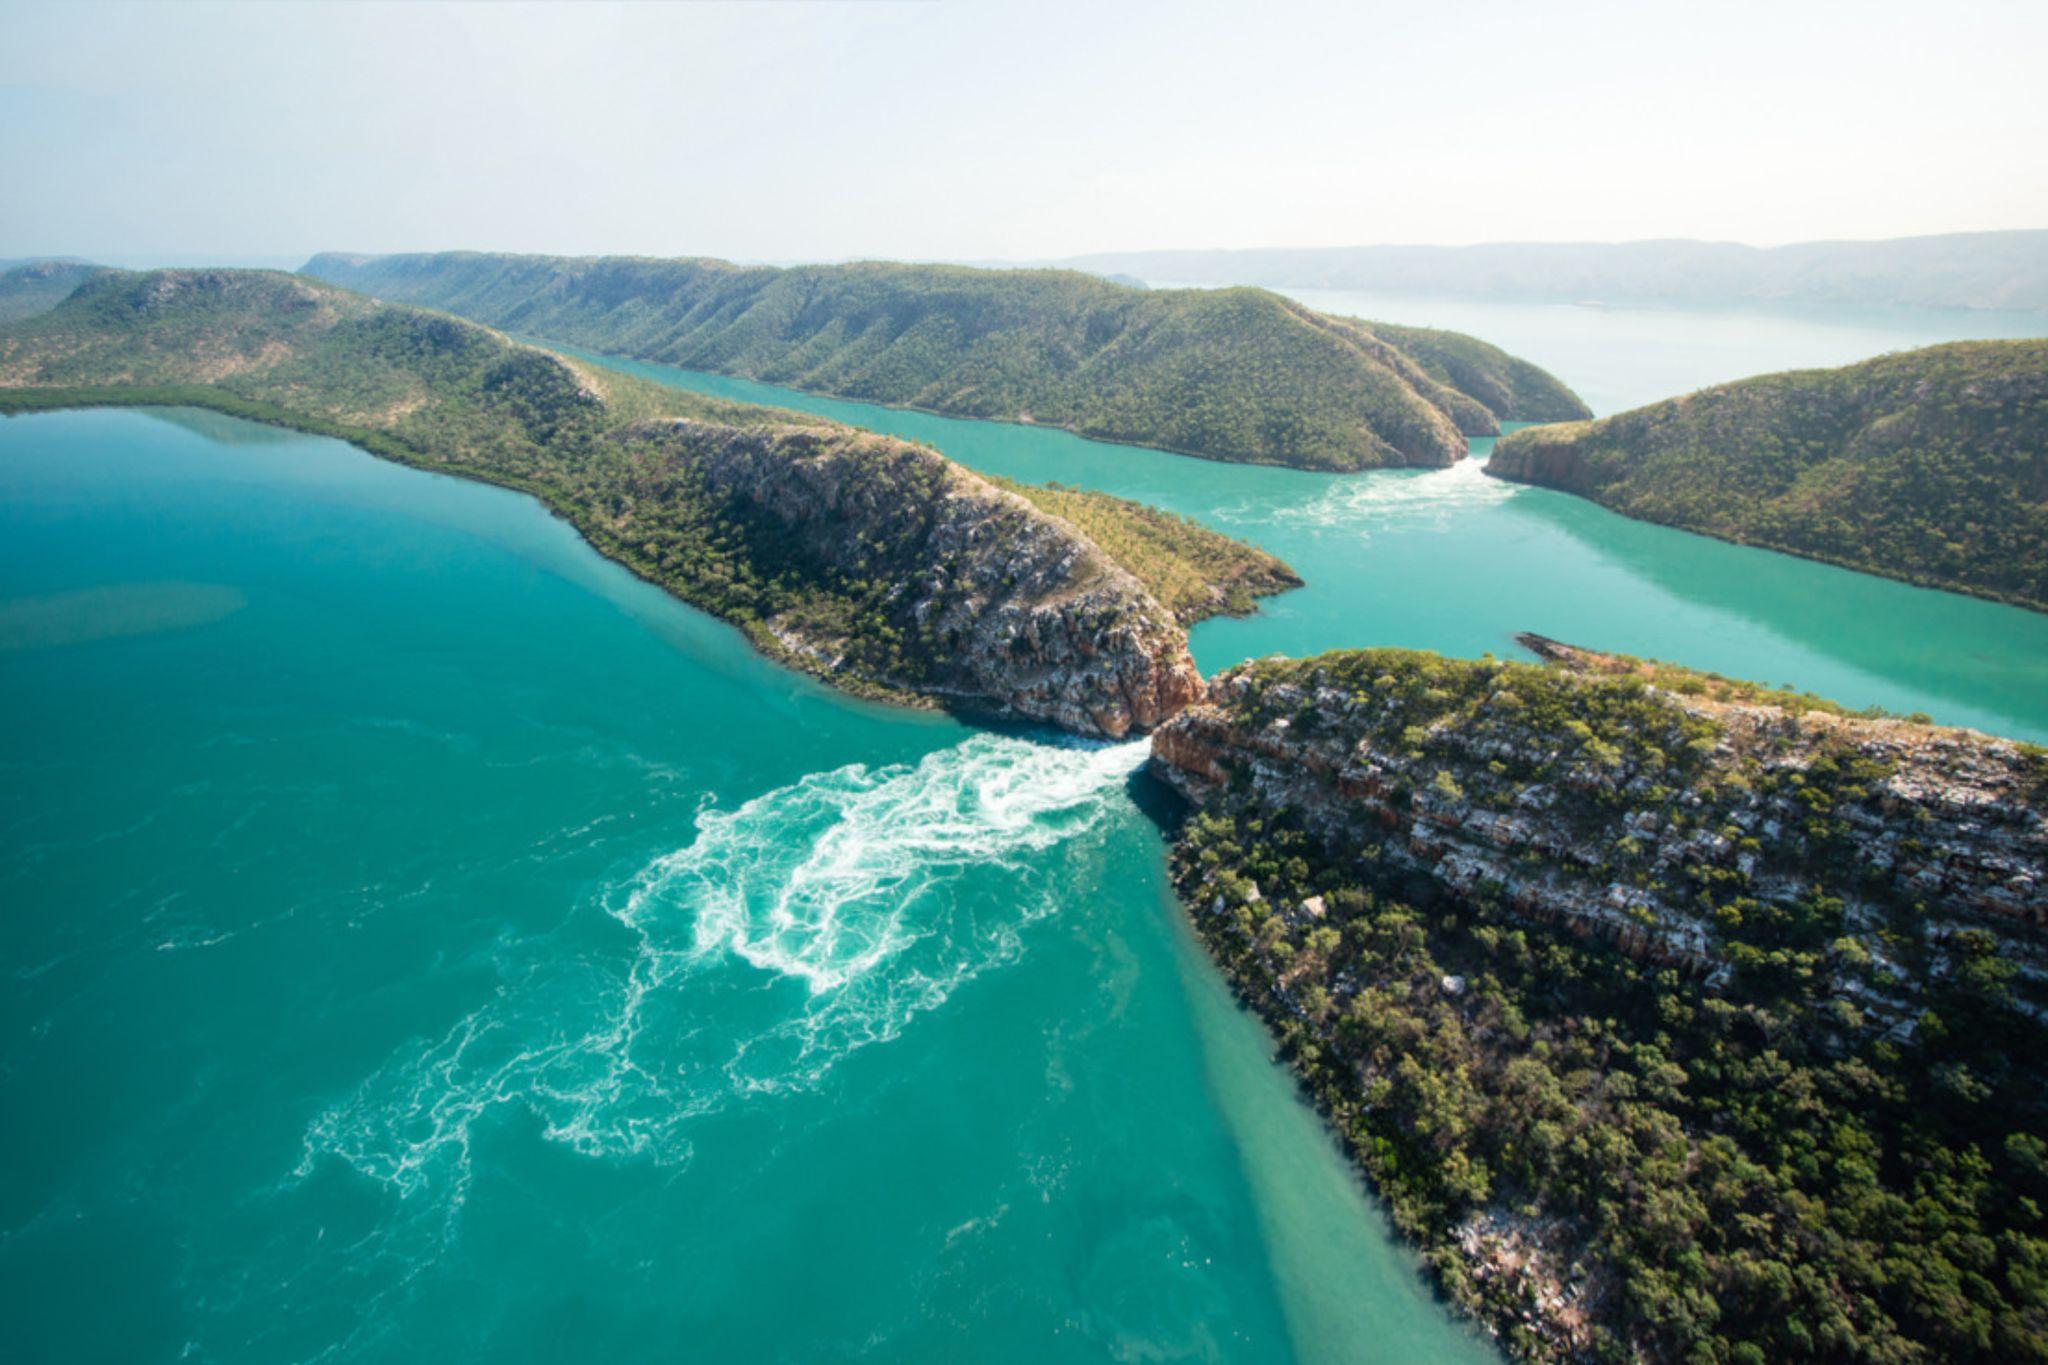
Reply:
x=874, y=563
x=1610, y=972
x=1546, y=455
x=1927, y=466
x=1004, y=609
x=1227, y=374
x=1948, y=818
x=1476, y=385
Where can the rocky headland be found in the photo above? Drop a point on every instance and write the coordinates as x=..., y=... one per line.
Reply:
x=1010, y=610
x=1650, y=1000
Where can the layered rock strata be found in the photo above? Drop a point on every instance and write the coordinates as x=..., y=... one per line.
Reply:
x=1018, y=613
x=1614, y=845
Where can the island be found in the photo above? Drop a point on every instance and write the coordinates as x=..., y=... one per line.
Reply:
x=1675, y=1018
x=872, y=562
x=1228, y=374
x=1928, y=466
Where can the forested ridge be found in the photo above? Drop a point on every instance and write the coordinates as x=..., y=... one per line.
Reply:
x=1230, y=374
x=1929, y=465
x=1195, y=571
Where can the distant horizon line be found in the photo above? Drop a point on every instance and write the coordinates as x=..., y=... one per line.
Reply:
x=225, y=258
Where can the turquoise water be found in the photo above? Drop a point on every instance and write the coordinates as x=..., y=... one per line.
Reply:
x=422, y=939
x=1454, y=561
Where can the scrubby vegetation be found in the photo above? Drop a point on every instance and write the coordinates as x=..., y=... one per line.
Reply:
x=1232, y=374
x=1693, y=682
x=1930, y=466
x=1510, y=388
x=1795, y=1112
x=1195, y=571
x=449, y=395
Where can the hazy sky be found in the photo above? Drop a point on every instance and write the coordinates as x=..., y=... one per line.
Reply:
x=1018, y=130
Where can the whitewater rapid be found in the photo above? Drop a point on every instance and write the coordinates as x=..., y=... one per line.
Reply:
x=1385, y=500
x=793, y=930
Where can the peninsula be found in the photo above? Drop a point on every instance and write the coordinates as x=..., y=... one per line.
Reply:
x=1229, y=374
x=1675, y=1018
x=872, y=562
x=1929, y=465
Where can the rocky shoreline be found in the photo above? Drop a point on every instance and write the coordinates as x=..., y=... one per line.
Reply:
x=1650, y=830
x=1016, y=613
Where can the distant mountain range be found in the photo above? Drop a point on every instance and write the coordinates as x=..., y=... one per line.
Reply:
x=2002, y=270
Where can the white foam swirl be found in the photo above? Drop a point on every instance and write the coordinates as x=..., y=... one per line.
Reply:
x=1388, y=499
x=791, y=931
x=823, y=881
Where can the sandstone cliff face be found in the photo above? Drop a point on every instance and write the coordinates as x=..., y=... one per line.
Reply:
x=1015, y=611
x=1558, y=949
x=1950, y=823
x=1546, y=455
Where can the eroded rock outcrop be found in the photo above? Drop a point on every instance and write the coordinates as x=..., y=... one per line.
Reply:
x=1612, y=834
x=1650, y=1001
x=1013, y=612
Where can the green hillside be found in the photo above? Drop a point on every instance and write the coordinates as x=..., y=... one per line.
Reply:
x=1508, y=387
x=1231, y=374
x=1930, y=466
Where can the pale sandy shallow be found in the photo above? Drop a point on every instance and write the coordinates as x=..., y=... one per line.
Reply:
x=53, y=620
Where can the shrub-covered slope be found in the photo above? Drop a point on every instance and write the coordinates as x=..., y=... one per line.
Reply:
x=1675, y=1018
x=1196, y=572
x=1931, y=465
x=876, y=563
x=1508, y=387
x=1233, y=374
